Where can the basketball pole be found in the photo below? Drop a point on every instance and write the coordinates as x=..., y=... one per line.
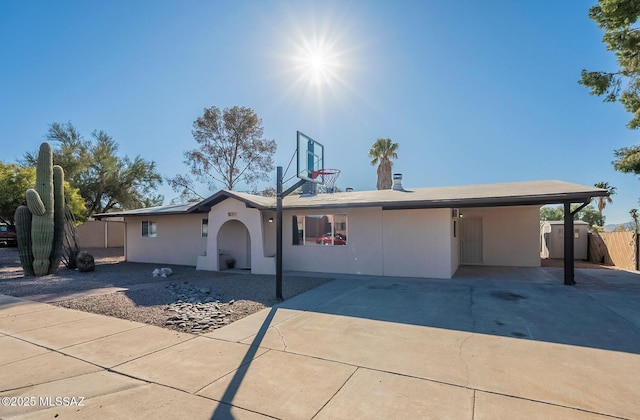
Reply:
x=279, y=196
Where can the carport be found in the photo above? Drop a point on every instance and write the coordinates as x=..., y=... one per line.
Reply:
x=557, y=195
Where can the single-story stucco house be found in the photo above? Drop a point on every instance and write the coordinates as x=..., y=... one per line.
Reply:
x=420, y=232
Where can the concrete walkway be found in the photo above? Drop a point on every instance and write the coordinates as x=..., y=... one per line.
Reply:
x=490, y=344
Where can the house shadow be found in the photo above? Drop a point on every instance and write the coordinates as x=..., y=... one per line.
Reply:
x=524, y=303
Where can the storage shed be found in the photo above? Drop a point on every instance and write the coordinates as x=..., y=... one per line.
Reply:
x=552, y=239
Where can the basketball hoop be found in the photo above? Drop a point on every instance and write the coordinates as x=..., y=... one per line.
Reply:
x=329, y=178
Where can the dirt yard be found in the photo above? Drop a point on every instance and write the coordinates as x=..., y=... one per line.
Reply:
x=129, y=290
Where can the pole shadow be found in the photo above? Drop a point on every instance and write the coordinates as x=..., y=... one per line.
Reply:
x=223, y=410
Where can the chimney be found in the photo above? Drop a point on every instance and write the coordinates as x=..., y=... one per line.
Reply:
x=397, y=183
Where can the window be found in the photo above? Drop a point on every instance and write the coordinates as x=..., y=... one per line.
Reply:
x=149, y=229
x=561, y=233
x=320, y=229
x=205, y=228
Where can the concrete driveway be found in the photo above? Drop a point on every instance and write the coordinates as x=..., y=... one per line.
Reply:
x=491, y=343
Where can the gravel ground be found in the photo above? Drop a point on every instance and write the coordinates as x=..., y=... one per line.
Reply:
x=147, y=298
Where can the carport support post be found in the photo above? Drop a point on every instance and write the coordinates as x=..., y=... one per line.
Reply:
x=569, y=277
x=568, y=246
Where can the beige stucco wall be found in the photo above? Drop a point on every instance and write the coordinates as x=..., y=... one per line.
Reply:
x=417, y=243
x=179, y=240
x=269, y=233
x=511, y=235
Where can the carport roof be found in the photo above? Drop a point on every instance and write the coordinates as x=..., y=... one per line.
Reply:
x=483, y=195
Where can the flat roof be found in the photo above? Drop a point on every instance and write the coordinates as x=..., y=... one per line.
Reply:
x=482, y=195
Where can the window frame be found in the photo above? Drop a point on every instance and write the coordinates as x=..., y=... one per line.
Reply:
x=204, y=228
x=336, y=222
x=151, y=229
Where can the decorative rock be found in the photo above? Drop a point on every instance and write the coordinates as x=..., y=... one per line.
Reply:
x=196, y=309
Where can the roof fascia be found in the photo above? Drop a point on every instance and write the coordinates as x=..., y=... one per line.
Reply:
x=461, y=203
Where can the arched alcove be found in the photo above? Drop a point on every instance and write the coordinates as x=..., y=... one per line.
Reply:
x=234, y=240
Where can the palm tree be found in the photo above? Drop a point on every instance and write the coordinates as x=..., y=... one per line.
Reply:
x=382, y=151
x=602, y=201
x=635, y=216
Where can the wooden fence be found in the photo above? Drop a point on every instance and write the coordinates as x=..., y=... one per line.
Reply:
x=619, y=249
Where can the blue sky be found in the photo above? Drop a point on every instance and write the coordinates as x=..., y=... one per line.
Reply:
x=473, y=92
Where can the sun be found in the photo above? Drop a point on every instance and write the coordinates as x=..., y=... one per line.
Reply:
x=316, y=59
x=317, y=62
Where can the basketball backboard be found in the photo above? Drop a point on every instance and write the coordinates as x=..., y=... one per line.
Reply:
x=310, y=158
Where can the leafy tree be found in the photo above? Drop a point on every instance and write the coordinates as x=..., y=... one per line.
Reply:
x=16, y=179
x=184, y=185
x=72, y=151
x=618, y=18
x=627, y=160
x=104, y=179
x=602, y=201
x=382, y=151
x=551, y=213
x=588, y=214
x=230, y=150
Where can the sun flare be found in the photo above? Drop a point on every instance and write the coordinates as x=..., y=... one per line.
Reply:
x=318, y=62
x=317, y=59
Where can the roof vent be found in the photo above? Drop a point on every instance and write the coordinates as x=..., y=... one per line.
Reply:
x=397, y=183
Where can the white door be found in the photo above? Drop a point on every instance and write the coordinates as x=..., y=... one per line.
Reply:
x=471, y=240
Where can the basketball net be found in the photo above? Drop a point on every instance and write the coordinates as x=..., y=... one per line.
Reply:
x=329, y=178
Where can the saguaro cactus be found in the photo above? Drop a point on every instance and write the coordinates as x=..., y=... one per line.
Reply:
x=58, y=219
x=22, y=219
x=47, y=229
